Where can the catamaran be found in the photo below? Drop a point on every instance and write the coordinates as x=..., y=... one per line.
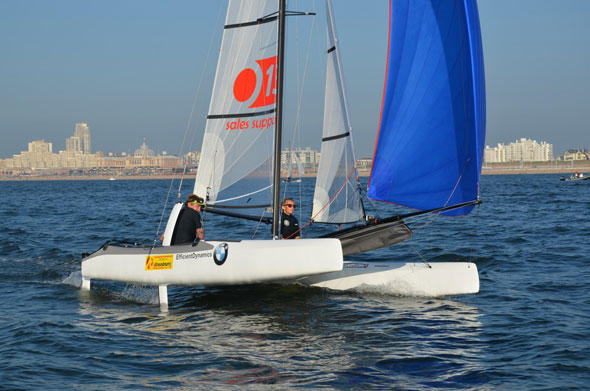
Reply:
x=427, y=157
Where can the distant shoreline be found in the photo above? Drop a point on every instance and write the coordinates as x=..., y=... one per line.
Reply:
x=485, y=171
x=533, y=171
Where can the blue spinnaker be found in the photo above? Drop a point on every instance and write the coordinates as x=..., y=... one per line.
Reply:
x=429, y=148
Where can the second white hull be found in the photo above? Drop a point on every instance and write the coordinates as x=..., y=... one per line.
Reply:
x=401, y=278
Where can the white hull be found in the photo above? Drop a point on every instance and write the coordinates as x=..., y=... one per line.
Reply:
x=214, y=262
x=311, y=262
x=401, y=278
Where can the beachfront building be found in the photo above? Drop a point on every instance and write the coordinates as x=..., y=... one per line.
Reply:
x=73, y=144
x=40, y=156
x=523, y=150
x=192, y=158
x=82, y=132
x=576, y=154
x=143, y=157
x=364, y=165
x=309, y=158
x=494, y=155
x=165, y=162
x=80, y=141
x=74, y=160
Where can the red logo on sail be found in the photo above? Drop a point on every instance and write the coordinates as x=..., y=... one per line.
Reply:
x=246, y=84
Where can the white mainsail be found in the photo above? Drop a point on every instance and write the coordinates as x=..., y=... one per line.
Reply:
x=336, y=197
x=236, y=155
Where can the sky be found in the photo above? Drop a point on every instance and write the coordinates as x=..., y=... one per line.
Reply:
x=143, y=69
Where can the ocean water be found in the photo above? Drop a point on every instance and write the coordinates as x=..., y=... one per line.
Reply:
x=527, y=329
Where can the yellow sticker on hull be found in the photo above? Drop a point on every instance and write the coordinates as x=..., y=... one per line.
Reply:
x=159, y=262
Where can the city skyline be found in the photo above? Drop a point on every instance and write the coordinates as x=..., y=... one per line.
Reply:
x=78, y=147
x=77, y=156
x=83, y=129
x=132, y=74
x=75, y=143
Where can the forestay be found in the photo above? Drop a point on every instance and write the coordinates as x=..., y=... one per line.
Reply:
x=336, y=196
x=235, y=166
x=432, y=129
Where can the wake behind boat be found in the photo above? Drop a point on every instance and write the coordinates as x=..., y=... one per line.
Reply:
x=433, y=106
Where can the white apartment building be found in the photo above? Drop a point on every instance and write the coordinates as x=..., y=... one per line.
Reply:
x=82, y=131
x=308, y=158
x=523, y=150
x=73, y=144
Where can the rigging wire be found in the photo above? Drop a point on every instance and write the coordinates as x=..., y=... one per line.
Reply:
x=325, y=206
x=214, y=37
x=243, y=195
x=301, y=77
x=475, y=217
x=258, y=225
x=430, y=220
x=417, y=251
x=437, y=215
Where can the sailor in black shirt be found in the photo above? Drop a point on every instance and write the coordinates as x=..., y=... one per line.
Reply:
x=188, y=225
x=289, y=224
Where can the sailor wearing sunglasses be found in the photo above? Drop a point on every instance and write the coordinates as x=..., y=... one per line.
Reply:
x=289, y=223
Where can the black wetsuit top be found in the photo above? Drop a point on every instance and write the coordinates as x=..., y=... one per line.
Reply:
x=289, y=225
x=186, y=226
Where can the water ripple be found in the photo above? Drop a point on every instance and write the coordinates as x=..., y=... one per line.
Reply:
x=526, y=329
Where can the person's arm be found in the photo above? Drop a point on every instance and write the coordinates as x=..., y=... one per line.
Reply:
x=200, y=233
x=298, y=231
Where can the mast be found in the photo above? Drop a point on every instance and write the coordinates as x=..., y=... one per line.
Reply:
x=276, y=191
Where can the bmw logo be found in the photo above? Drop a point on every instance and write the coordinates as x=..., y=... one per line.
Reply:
x=220, y=253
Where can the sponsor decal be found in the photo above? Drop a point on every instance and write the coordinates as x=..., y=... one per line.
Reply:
x=220, y=253
x=193, y=256
x=356, y=265
x=257, y=88
x=247, y=83
x=159, y=262
x=240, y=124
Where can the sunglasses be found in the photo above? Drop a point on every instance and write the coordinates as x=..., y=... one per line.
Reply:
x=289, y=205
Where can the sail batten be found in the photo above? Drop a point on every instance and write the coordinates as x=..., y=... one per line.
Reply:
x=251, y=23
x=336, y=137
x=217, y=116
x=432, y=129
